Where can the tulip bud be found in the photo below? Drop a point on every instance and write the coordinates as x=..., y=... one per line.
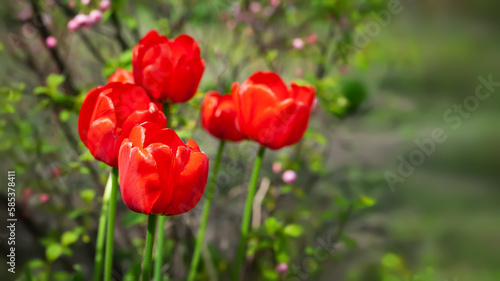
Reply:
x=51, y=42
x=289, y=176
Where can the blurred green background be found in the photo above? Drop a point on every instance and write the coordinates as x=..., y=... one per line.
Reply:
x=375, y=100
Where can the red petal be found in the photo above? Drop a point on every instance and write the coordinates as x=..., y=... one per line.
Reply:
x=303, y=94
x=270, y=80
x=139, y=179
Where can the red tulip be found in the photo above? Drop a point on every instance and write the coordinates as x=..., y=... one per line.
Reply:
x=218, y=116
x=159, y=174
x=168, y=70
x=108, y=114
x=269, y=112
x=122, y=75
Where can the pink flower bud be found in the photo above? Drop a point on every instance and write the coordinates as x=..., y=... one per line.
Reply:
x=25, y=14
x=289, y=176
x=312, y=38
x=51, y=42
x=344, y=69
x=95, y=15
x=298, y=43
x=343, y=22
x=275, y=3
x=72, y=3
x=85, y=2
x=104, y=5
x=83, y=20
x=44, y=198
x=56, y=172
x=73, y=24
x=27, y=192
x=299, y=72
x=282, y=268
x=276, y=167
x=255, y=7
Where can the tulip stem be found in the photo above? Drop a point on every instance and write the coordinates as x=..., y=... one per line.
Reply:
x=101, y=232
x=167, y=106
x=159, y=248
x=148, y=251
x=245, y=224
x=204, y=215
x=108, y=261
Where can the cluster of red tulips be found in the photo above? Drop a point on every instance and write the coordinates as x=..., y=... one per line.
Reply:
x=123, y=124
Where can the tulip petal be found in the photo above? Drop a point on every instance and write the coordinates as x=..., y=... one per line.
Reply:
x=303, y=94
x=191, y=182
x=139, y=178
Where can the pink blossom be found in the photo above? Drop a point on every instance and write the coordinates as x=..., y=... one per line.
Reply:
x=56, y=172
x=343, y=22
x=311, y=39
x=344, y=69
x=25, y=14
x=255, y=7
x=51, y=42
x=299, y=72
x=298, y=43
x=275, y=3
x=72, y=3
x=276, y=167
x=83, y=20
x=289, y=176
x=104, y=5
x=85, y=2
x=73, y=24
x=27, y=192
x=95, y=15
x=315, y=103
x=44, y=198
x=282, y=267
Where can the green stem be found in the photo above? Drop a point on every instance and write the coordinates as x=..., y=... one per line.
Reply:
x=204, y=216
x=167, y=106
x=159, y=248
x=101, y=232
x=148, y=251
x=108, y=261
x=245, y=224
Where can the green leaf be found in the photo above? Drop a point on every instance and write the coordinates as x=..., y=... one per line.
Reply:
x=270, y=274
x=54, y=251
x=87, y=195
x=293, y=230
x=70, y=237
x=340, y=201
x=272, y=225
x=64, y=115
x=53, y=81
x=40, y=90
